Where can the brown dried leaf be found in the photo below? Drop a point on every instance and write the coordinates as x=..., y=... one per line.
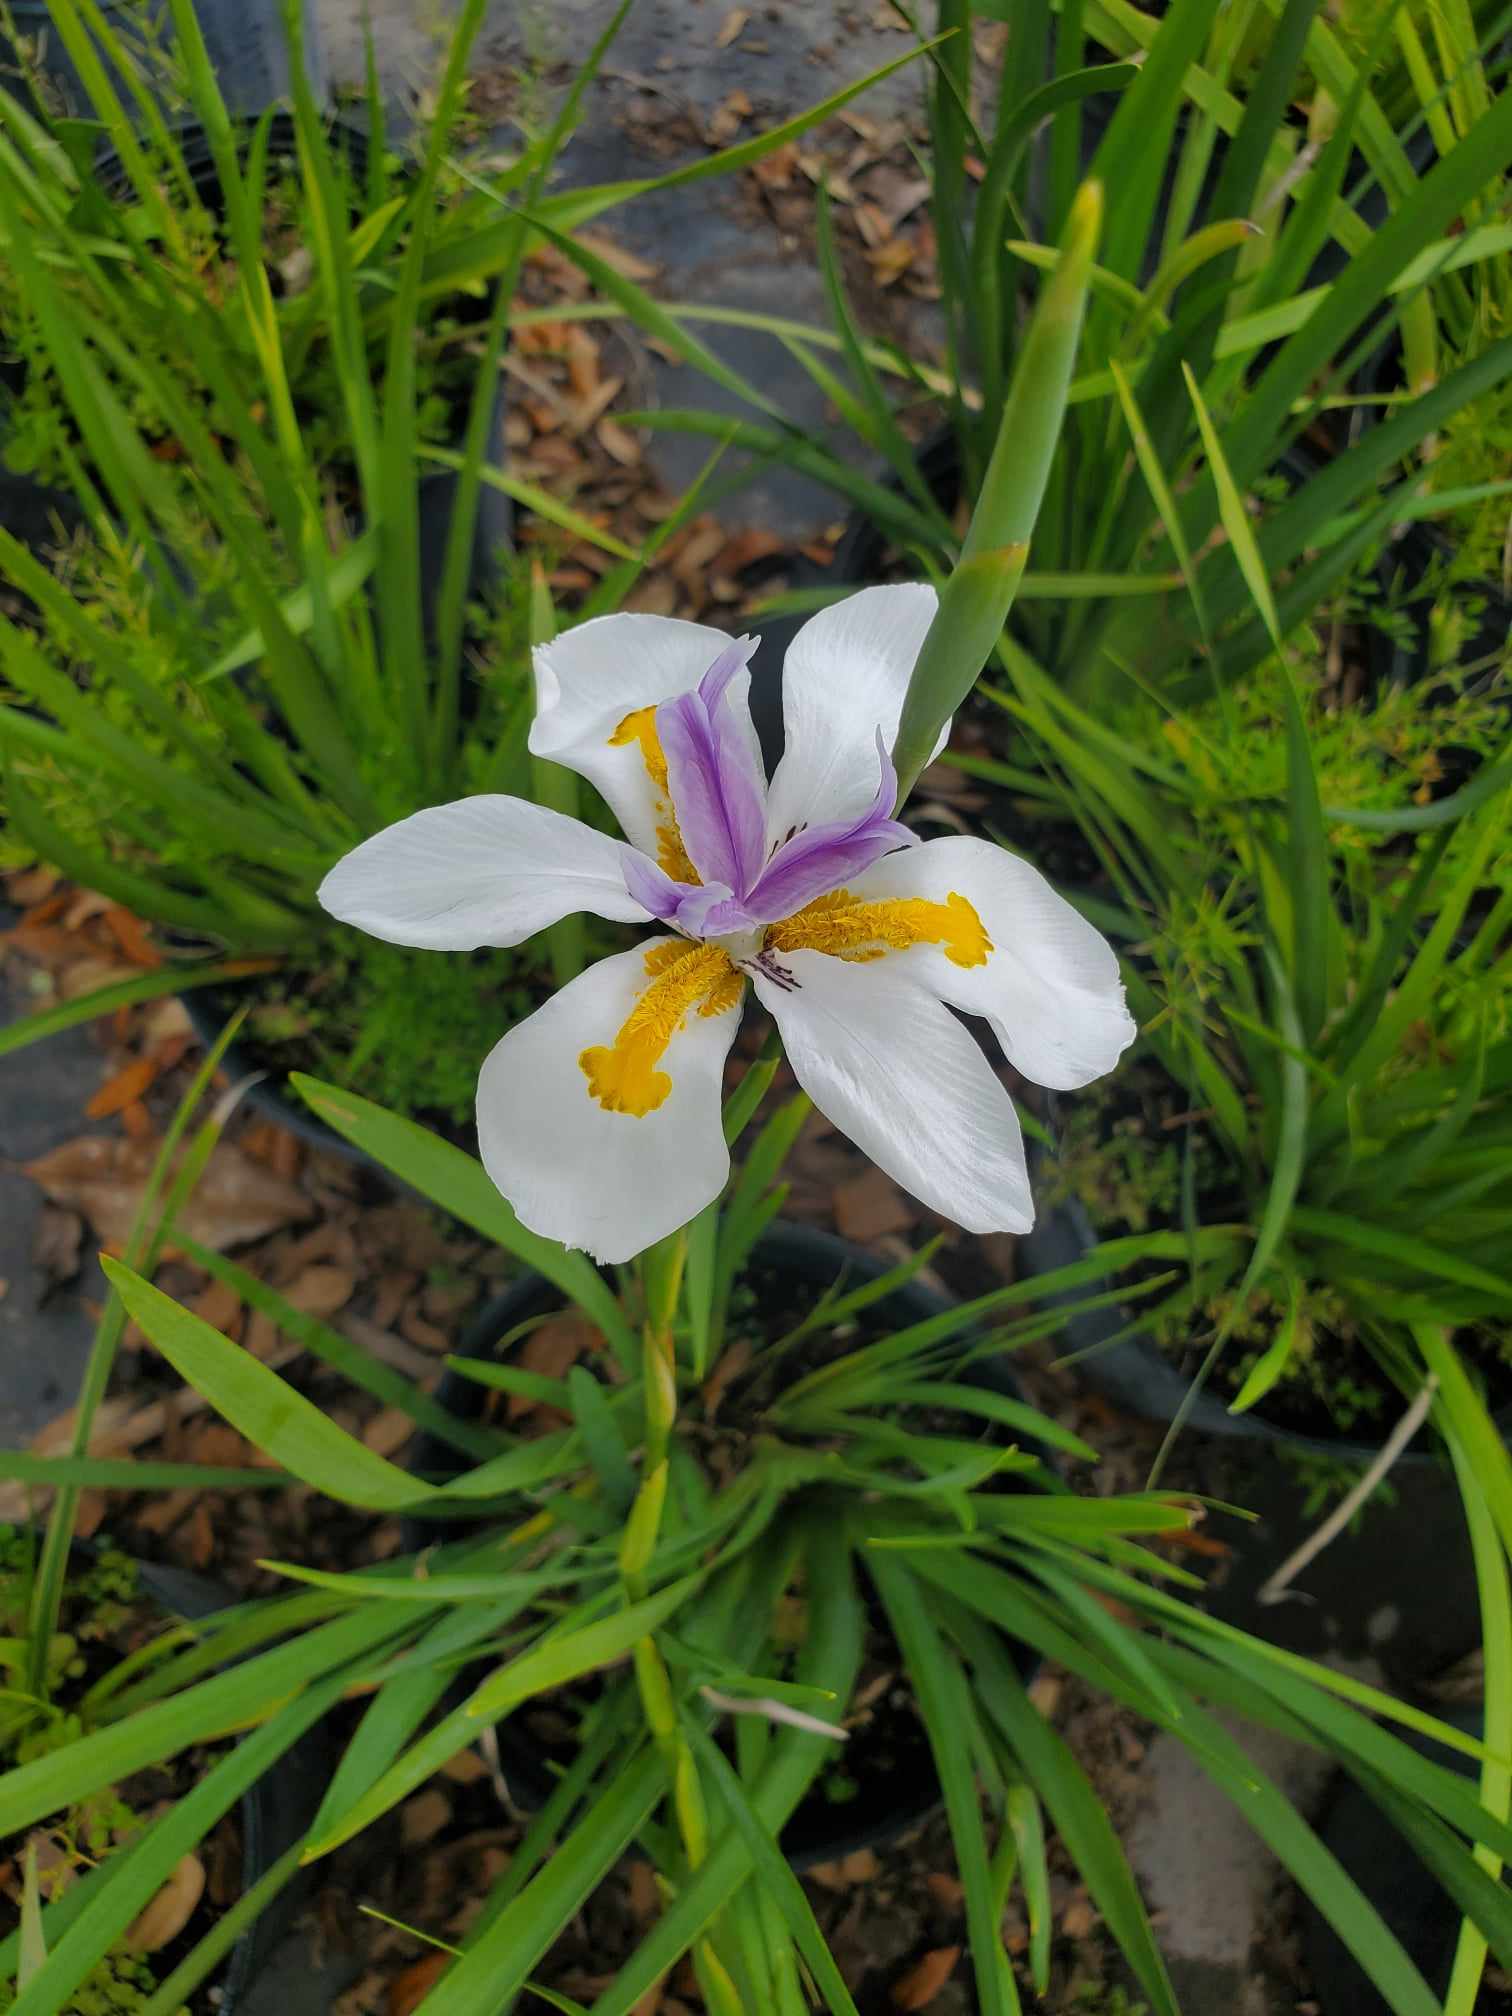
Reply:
x=161, y=1514
x=31, y=885
x=1079, y=1917
x=591, y=407
x=393, y=1291
x=83, y=976
x=321, y=1290
x=171, y=1909
x=652, y=595
x=392, y=1350
x=730, y=1367
x=619, y=442
x=582, y=361
x=199, y=1535
x=234, y=1201
x=1045, y=1692
x=946, y=1890
x=55, y=1248
x=731, y=27
x=858, y=1867
x=725, y=121
x=870, y=1206
x=408, y=1990
x=623, y=262
x=444, y=1300
x=701, y=546
x=920, y=1985
x=891, y=261
x=744, y=549
x=552, y=1350
x=873, y=223
x=130, y=933
x=645, y=1897
x=217, y=1444
x=83, y=905
x=275, y=1147
x=427, y=1336
x=388, y=1431
x=467, y=1767
x=264, y=1339
x=219, y=1305
x=423, y=1817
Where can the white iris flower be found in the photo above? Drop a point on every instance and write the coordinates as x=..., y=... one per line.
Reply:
x=599, y=1116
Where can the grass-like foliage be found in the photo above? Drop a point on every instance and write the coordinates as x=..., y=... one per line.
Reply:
x=695, y=1582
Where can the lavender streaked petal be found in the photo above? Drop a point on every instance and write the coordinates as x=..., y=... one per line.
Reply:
x=714, y=775
x=730, y=661
x=651, y=886
x=887, y=783
x=820, y=859
x=714, y=911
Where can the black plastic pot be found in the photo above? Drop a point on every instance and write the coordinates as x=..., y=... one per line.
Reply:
x=209, y=1010
x=1403, y=1891
x=244, y=39
x=276, y=1811
x=884, y=1806
x=1421, y=548
x=1134, y=1374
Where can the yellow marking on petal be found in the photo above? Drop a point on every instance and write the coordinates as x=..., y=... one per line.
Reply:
x=623, y=1076
x=671, y=855
x=641, y=727
x=848, y=929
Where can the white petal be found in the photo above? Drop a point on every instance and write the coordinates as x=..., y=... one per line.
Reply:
x=590, y=678
x=844, y=677
x=895, y=1070
x=482, y=871
x=1050, y=985
x=611, y=1182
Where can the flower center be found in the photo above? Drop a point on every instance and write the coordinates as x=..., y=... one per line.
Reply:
x=671, y=854
x=848, y=929
x=623, y=1076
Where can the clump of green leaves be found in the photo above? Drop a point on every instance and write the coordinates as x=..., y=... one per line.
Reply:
x=99, y=1616
x=1315, y=899
x=742, y=1488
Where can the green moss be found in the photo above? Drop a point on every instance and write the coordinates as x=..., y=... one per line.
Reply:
x=121, y=1985
x=408, y=1029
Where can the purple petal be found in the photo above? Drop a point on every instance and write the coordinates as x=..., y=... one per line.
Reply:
x=822, y=858
x=713, y=911
x=714, y=774
x=711, y=688
x=651, y=886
